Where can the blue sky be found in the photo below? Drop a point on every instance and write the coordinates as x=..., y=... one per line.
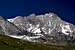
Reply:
x=64, y=8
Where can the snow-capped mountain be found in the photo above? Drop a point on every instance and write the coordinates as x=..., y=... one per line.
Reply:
x=38, y=28
x=46, y=22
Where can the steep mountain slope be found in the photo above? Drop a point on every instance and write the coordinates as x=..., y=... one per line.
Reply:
x=48, y=29
x=44, y=28
x=8, y=28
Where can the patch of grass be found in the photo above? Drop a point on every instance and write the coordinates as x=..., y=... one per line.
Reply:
x=8, y=43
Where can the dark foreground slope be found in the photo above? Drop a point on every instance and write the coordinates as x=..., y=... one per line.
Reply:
x=8, y=43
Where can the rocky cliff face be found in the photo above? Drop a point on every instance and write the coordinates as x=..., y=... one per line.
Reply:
x=40, y=28
x=8, y=28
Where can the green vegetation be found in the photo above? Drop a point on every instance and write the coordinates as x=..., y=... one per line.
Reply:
x=8, y=43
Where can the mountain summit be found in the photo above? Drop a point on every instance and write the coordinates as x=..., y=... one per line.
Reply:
x=41, y=28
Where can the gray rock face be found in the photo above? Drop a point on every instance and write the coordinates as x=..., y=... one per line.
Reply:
x=44, y=22
x=47, y=23
x=40, y=28
x=8, y=28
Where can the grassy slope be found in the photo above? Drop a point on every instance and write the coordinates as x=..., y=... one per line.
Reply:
x=8, y=43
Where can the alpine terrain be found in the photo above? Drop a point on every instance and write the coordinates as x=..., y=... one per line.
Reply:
x=47, y=29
